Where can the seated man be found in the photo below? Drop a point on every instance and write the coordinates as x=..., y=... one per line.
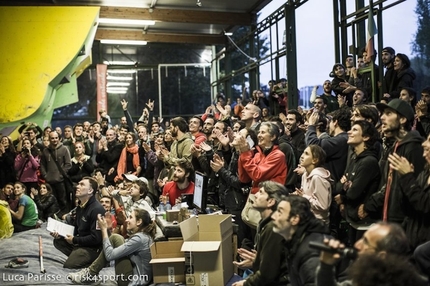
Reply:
x=381, y=239
x=84, y=246
x=268, y=260
x=180, y=184
x=297, y=224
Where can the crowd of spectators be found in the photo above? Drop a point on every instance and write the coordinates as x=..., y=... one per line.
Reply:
x=332, y=171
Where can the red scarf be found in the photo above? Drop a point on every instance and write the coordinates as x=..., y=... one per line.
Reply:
x=122, y=162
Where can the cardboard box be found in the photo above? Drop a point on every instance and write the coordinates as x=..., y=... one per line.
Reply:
x=172, y=215
x=208, y=250
x=168, y=262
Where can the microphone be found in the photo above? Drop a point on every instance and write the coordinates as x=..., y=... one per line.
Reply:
x=350, y=253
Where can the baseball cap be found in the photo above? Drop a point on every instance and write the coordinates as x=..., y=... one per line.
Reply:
x=389, y=50
x=400, y=106
x=132, y=178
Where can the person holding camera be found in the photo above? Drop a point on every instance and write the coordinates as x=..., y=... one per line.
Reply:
x=27, y=164
x=381, y=239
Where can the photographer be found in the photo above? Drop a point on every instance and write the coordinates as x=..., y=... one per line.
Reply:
x=381, y=239
x=27, y=163
x=30, y=133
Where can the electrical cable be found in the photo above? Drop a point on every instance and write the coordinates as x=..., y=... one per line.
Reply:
x=240, y=50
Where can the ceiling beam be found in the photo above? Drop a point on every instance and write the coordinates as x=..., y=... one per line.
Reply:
x=177, y=15
x=204, y=39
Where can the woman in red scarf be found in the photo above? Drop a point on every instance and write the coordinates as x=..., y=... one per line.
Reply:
x=129, y=161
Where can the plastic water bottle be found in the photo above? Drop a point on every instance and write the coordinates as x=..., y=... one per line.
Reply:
x=168, y=205
x=161, y=207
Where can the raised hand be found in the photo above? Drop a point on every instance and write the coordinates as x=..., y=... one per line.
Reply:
x=124, y=104
x=400, y=164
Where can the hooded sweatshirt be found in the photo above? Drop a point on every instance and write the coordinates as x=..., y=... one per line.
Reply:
x=317, y=189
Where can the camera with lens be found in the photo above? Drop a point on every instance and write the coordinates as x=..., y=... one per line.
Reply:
x=349, y=253
x=25, y=151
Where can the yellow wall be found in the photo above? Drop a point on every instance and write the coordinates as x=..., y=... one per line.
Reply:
x=36, y=45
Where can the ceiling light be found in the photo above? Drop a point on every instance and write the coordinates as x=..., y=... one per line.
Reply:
x=111, y=71
x=199, y=3
x=228, y=33
x=111, y=77
x=126, y=22
x=118, y=88
x=117, y=92
x=118, y=84
x=124, y=42
x=119, y=63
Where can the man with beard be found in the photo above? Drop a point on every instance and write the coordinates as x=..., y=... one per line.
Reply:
x=268, y=259
x=181, y=147
x=422, y=112
x=251, y=114
x=56, y=153
x=384, y=240
x=180, y=184
x=295, y=222
x=108, y=154
x=332, y=103
x=297, y=136
x=397, y=118
x=388, y=55
x=208, y=125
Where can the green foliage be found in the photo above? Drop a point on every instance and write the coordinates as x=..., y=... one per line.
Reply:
x=421, y=46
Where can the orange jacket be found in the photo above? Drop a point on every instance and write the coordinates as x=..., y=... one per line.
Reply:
x=257, y=167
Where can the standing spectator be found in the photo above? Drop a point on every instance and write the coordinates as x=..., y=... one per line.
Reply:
x=181, y=146
x=335, y=147
x=405, y=75
x=82, y=166
x=27, y=164
x=94, y=138
x=237, y=109
x=195, y=125
x=57, y=156
x=417, y=196
x=297, y=137
x=387, y=57
x=358, y=184
x=266, y=163
x=7, y=161
x=397, y=117
x=316, y=182
x=340, y=85
x=332, y=103
x=129, y=161
x=230, y=186
x=108, y=155
x=251, y=115
x=259, y=99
